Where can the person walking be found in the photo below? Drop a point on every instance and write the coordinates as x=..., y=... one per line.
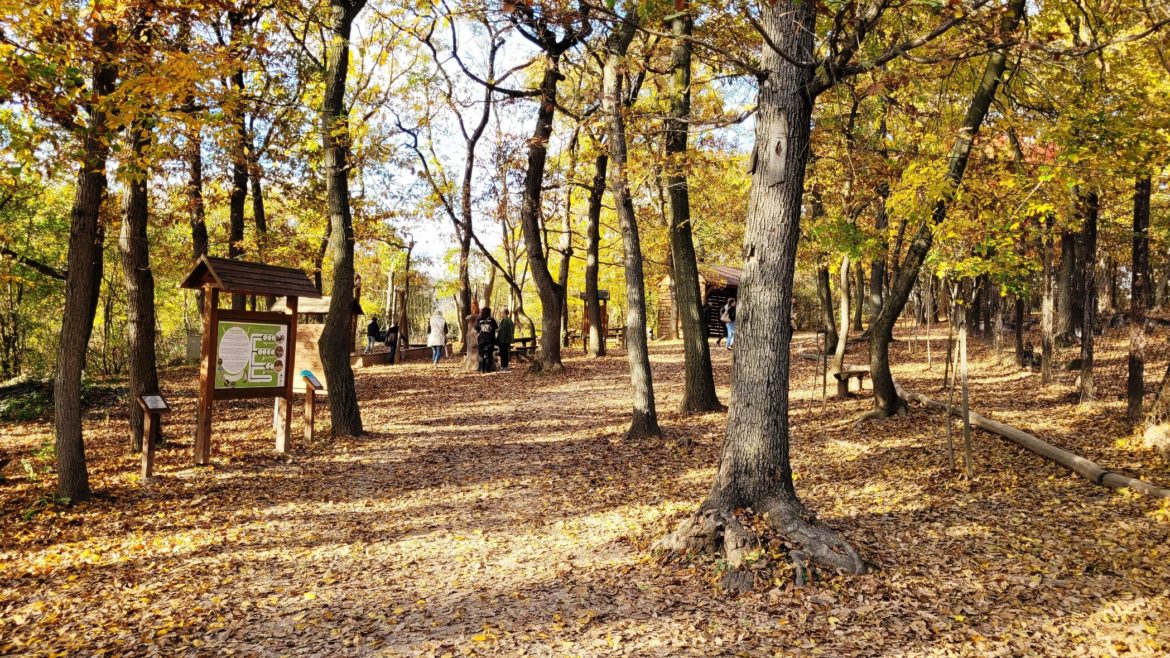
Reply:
x=373, y=332
x=392, y=339
x=727, y=317
x=486, y=328
x=504, y=337
x=437, y=338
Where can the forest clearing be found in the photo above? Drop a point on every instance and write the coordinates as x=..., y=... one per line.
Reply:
x=577, y=328
x=505, y=515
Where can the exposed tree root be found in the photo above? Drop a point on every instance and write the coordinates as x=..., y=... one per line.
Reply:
x=880, y=414
x=717, y=531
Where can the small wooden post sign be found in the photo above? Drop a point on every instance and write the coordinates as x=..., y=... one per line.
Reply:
x=312, y=385
x=153, y=405
x=246, y=354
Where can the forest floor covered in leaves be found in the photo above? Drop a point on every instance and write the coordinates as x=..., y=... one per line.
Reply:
x=504, y=515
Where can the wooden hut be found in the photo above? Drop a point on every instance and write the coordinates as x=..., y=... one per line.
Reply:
x=311, y=322
x=717, y=283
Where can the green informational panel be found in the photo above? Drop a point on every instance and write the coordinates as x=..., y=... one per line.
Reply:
x=250, y=355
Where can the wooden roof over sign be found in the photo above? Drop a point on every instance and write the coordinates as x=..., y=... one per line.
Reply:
x=237, y=276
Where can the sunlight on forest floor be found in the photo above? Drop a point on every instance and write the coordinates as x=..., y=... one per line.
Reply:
x=504, y=515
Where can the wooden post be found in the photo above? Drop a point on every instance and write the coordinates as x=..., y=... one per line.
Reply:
x=311, y=386
x=148, y=423
x=282, y=411
x=206, y=377
x=152, y=406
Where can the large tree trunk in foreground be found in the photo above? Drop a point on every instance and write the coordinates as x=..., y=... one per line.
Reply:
x=336, y=338
x=592, y=245
x=1089, y=207
x=698, y=383
x=135, y=252
x=1139, y=297
x=83, y=278
x=551, y=295
x=645, y=418
x=754, y=469
x=886, y=400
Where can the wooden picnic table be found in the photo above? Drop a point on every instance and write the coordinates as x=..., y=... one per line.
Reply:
x=524, y=347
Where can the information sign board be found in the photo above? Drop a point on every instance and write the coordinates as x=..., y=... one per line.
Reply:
x=250, y=355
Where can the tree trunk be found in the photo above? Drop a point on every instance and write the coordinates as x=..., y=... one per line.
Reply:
x=551, y=295
x=566, y=259
x=966, y=409
x=825, y=291
x=335, y=341
x=1069, y=295
x=877, y=275
x=1019, y=331
x=1088, y=207
x=842, y=332
x=140, y=315
x=859, y=294
x=195, y=210
x=83, y=278
x=593, y=242
x=1139, y=297
x=699, y=383
x=754, y=469
x=645, y=417
x=886, y=400
x=238, y=195
x=1047, y=303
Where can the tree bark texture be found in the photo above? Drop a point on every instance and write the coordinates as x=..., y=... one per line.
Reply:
x=551, y=296
x=592, y=246
x=1069, y=292
x=645, y=417
x=886, y=400
x=754, y=468
x=239, y=141
x=1089, y=208
x=1139, y=298
x=140, y=314
x=1047, y=302
x=698, y=383
x=83, y=279
x=335, y=341
x=825, y=291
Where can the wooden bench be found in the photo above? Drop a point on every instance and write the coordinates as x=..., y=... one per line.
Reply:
x=854, y=372
x=524, y=348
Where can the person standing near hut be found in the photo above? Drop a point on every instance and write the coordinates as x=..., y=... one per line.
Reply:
x=373, y=333
x=504, y=337
x=437, y=338
x=727, y=317
x=486, y=328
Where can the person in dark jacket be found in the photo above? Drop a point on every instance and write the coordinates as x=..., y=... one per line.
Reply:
x=373, y=332
x=486, y=340
x=504, y=338
x=392, y=339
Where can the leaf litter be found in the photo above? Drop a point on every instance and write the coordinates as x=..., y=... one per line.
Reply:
x=505, y=515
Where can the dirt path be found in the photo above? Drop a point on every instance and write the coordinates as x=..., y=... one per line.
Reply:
x=503, y=515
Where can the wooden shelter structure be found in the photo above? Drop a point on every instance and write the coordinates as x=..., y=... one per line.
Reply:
x=717, y=283
x=311, y=322
x=245, y=354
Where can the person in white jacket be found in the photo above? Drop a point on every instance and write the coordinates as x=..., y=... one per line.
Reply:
x=437, y=338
